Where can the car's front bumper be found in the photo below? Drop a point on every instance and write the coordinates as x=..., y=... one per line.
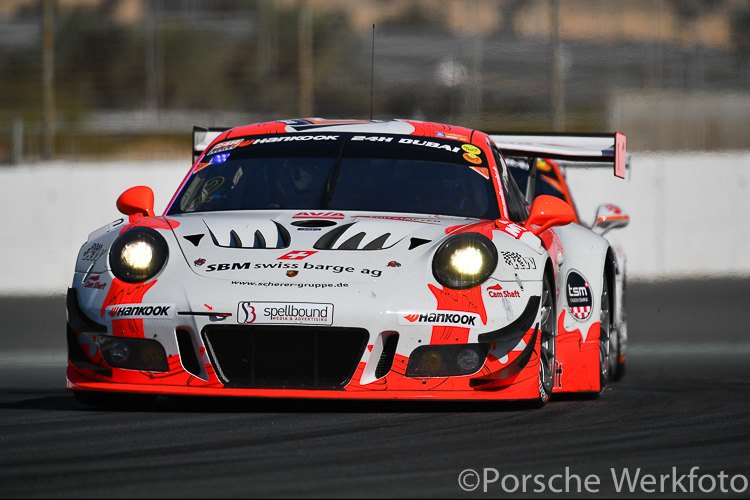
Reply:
x=211, y=357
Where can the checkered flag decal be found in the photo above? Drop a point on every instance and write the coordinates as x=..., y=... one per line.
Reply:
x=514, y=260
x=580, y=312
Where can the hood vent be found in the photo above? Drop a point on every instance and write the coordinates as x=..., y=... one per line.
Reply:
x=343, y=239
x=377, y=243
x=234, y=239
x=270, y=234
x=259, y=241
x=194, y=238
x=415, y=242
x=327, y=241
x=353, y=242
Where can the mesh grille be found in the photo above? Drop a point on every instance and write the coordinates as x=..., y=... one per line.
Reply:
x=187, y=353
x=386, y=357
x=290, y=357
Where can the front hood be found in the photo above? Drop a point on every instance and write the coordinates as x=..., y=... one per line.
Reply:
x=266, y=244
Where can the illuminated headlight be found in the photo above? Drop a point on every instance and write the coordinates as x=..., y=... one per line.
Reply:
x=464, y=261
x=467, y=260
x=138, y=255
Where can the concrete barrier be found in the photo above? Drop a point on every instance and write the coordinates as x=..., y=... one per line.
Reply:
x=690, y=214
x=50, y=209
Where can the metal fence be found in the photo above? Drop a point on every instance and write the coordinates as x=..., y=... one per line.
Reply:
x=99, y=77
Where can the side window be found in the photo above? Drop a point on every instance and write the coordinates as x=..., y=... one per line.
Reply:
x=518, y=208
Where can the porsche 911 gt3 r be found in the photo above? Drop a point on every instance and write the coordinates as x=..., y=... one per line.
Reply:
x=344, y=259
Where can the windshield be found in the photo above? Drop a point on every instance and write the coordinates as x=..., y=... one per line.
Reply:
x=381, y=173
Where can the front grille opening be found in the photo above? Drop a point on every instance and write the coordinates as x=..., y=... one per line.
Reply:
x=285, y=357
x=386, y=357
x=187, y=353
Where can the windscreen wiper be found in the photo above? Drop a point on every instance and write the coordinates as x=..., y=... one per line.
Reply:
x=331, y=182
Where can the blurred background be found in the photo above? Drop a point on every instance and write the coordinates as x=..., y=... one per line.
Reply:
x=99, y=95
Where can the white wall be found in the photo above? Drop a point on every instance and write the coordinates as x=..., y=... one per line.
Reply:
x=690, y=214
x=47, y=212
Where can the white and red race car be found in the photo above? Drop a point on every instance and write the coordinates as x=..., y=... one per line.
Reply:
x=347, y=259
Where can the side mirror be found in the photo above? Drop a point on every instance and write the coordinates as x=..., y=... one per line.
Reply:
x=137, y=202
x=548, y=211
x=608, y=217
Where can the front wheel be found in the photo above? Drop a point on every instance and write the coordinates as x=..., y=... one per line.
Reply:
x=619, y=365
x=617, y=371
x=605, y=336
x=547, y=333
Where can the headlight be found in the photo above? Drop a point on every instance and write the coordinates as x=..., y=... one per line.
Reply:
x=133, y=354
x=446, y=360
x=464, y=261
x=138, y=254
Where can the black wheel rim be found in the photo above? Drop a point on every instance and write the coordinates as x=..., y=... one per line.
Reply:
x=605, y=329
x=547, y=332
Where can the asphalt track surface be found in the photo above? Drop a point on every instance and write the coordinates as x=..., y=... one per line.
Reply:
x=683, y=408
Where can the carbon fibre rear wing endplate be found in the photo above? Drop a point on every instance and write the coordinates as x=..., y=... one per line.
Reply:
x=203, y=137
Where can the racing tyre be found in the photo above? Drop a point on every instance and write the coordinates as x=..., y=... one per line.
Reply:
x=115, y=401
x=547, y=334
x=617, y=371
x=606, y=336
x=619, y=368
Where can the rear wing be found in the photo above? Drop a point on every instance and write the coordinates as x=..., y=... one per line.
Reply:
x=575, y=149
x=585, y=148
x=203, y=137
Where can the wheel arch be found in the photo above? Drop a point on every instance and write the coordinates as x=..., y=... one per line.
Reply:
x=549, y=272
x=610, y=270
x=590, y=256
